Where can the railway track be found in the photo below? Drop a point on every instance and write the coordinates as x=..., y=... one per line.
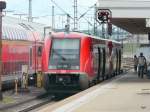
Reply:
x=127, y=64
x=38, y=105
x=34, y=104
x=29, y=105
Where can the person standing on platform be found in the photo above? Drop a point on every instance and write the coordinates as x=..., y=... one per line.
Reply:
x=141, y=65
x=135, y=63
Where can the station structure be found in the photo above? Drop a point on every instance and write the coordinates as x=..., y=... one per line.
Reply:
x=131, y=15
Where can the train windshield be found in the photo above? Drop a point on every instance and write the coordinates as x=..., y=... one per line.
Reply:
x=64, y=54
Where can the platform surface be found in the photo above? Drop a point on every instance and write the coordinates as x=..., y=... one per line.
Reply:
x=125, y=93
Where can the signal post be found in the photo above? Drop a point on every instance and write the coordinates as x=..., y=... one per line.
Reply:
x=2, y=6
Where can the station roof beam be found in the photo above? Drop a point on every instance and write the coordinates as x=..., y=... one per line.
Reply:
x=130, y=15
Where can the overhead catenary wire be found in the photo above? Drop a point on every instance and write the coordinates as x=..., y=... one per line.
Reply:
x=86, y=12
x=61, y=8
x=81, y=15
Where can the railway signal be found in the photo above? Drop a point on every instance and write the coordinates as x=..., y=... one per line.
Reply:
x=2, y=6
x=104, y=16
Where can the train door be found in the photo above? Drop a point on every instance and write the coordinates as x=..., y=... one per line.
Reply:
x=31, y=60
x=32, y=69
x=107, y=63
x=96, y=61
x=39, y=58
x=104, y=62
x=35, y=57
x=119, y=60
x=99, y=64
x=35, y=62
x=114, y=61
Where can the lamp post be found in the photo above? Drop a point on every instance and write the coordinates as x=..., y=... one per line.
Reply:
x=2, y=6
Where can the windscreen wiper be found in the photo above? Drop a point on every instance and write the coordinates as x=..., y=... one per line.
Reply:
x=62, y=57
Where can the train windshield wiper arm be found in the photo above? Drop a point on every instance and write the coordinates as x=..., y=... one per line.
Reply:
x=62, y=57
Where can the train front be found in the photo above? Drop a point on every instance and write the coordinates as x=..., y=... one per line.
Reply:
x=61, y=63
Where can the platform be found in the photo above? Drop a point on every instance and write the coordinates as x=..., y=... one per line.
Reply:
x=124, y=93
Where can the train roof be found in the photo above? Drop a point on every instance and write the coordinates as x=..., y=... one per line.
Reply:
x=79, y=35
x=17, y=29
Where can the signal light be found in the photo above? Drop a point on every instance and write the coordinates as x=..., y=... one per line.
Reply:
x=103, y=15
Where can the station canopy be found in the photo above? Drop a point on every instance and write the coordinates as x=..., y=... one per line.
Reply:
x=17, y=29
x=130, y=15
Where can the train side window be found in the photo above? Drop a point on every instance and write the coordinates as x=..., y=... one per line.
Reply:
x=39, y=51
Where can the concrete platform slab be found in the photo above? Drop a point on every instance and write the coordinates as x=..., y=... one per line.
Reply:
x=126, y=93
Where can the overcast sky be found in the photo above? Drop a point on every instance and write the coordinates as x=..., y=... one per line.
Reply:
x=43, y=8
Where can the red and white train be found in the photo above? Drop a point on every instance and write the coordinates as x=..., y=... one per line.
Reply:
x=20, y=46
x=75, y=60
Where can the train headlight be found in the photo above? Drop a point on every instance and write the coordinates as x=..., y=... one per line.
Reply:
x=60, y=79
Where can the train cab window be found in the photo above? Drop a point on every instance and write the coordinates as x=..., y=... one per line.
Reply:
x=39, y=51
x=65, y=54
